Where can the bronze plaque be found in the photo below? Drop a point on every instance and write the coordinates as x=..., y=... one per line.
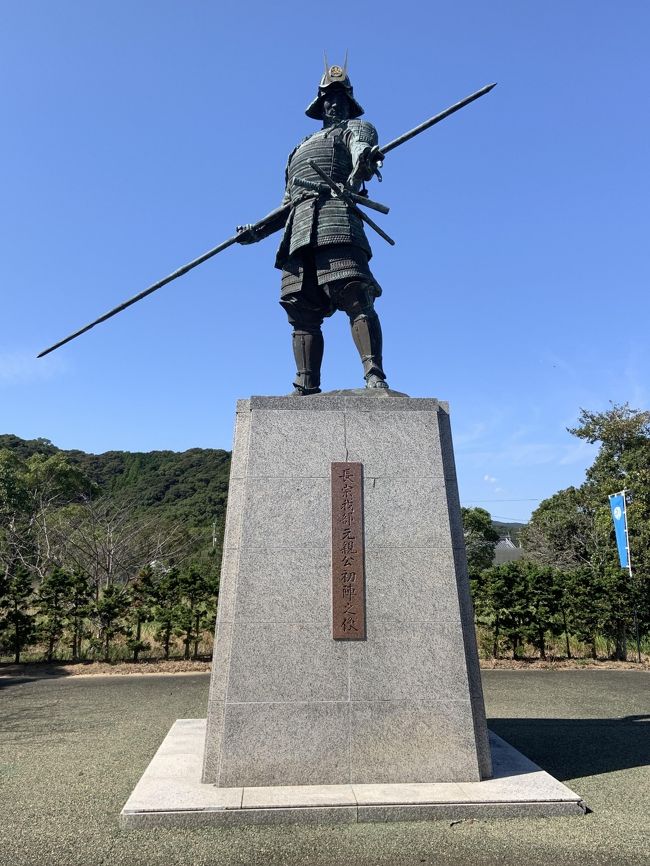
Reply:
x=348, y=579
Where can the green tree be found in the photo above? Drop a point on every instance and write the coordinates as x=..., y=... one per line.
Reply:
x=51, y=606
x=622, y=462
x=77, y=611
x=567, y=533
x=573, y=530
x=14, y=495
x=501, y=604
x=142, y=598
x=544, y=591
x=30, y=493
x=110, y=612
x=196, y=606
x=585, y=605
x=480, y=539
x=167, y=599
x=17, y=622
x=520, y=602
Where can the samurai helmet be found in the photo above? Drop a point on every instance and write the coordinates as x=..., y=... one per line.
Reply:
x=333, y=76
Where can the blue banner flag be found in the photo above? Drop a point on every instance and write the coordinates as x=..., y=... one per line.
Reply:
x=619, y=516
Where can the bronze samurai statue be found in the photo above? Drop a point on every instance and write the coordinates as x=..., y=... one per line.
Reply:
x=324, y=251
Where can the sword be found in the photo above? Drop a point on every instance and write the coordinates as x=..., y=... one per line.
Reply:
x=342, y=194
x=324, y=187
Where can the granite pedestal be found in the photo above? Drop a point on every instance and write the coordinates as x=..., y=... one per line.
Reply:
x=304, y=727
x=288, y=704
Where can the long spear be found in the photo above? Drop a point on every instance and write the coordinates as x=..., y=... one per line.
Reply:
x=275, y=220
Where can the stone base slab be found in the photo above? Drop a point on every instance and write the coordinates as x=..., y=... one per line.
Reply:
x=171, y=794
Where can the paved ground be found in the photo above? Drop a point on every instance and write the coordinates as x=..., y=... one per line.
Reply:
x=71, y=750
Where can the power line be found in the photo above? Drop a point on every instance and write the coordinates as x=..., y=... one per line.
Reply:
x=501, y=519
x=503, y=500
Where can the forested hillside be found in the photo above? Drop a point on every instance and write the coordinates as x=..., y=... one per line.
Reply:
x=191, y=486
x=511, y=529
x=107, y=555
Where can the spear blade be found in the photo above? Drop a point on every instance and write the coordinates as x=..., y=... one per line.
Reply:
x=406, y=136
x=140, y=295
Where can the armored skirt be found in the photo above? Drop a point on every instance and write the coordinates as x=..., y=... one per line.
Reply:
x=324, y=266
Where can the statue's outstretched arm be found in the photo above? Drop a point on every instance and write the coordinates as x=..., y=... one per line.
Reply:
x=362, y=142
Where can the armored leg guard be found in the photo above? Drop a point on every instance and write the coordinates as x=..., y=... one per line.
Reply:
x=357, y=299
x=308, y=352
x=366, y=333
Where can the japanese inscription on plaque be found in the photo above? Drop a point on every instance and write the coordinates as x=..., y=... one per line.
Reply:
x=348, y=579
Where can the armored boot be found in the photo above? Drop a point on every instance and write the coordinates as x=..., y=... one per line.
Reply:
x=366, y=333
x=308, y=352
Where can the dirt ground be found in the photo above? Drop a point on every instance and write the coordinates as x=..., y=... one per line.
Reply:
x=89, y=669
x=177, y=666
x=565, y=665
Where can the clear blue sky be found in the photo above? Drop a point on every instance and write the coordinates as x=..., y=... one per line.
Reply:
x=136, y=135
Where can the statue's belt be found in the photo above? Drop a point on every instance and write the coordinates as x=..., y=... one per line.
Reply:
x=315, y=189
x=348, y=196
x=312, y=186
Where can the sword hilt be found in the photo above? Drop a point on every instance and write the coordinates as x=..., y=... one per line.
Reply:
x=315, y=186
